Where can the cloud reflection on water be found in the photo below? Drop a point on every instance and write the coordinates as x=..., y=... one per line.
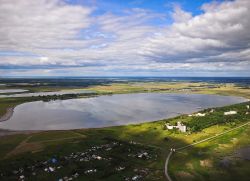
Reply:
x=109, y=110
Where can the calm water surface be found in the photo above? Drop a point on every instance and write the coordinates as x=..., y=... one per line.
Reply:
x=109, y=110
x=3, y=91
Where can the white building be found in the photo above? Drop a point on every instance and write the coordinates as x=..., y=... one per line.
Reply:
x=179, y=126
x=200, y=114
x=230, y=112
x=247, y=106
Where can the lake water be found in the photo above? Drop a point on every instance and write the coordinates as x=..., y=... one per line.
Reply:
x=109, y=110
x=4, y=91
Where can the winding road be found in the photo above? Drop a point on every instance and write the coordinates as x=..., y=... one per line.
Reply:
x=166, y=166
x=172, y=150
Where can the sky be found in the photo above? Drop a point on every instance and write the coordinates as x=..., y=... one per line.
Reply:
x=209, y=38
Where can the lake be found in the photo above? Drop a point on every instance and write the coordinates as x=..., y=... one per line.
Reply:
x=4, y=91
x=111, y=110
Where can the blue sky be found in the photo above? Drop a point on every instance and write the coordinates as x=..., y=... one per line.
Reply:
x=128, y=37
x=162, y=6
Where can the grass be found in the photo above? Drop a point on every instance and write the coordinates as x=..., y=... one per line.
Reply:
x=204, y=162
x=55, y=135
x=173, y=87
x=8, y=143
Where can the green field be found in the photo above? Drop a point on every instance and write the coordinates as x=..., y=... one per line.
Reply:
x=134, y=151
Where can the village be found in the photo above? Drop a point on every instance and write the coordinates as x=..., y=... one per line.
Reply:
x=89, y=162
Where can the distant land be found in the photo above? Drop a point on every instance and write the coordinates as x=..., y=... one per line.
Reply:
x=214, y=117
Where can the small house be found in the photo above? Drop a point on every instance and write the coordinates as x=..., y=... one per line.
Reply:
x=230, y=113
x=211, y=111
x=200, y=114
x=179, y=126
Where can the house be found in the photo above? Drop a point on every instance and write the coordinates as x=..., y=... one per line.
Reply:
x=179, y=126
x=230, y=113
x=200, y=114
x=168, y=126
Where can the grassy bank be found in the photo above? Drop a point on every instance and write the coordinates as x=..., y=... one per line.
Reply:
x=174, y=87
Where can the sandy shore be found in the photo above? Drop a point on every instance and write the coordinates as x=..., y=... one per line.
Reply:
x=7, y=115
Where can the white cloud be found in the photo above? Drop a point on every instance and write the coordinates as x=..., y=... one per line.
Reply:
x=58, y=35
x=220, y=30
x=179, y=15
x=32, y=24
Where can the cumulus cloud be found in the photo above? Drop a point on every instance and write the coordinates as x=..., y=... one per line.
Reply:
x=54, y=34
x=179, y=15
x=210, y=36
x=27, y=24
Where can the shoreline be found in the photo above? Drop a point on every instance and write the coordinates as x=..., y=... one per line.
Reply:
x=10, y=111
x=6, y=132
x=8, y=114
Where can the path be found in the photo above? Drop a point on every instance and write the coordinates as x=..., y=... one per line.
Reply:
x=166, y=166
x=20, y=145
x=25, y=146
x=187, y=146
